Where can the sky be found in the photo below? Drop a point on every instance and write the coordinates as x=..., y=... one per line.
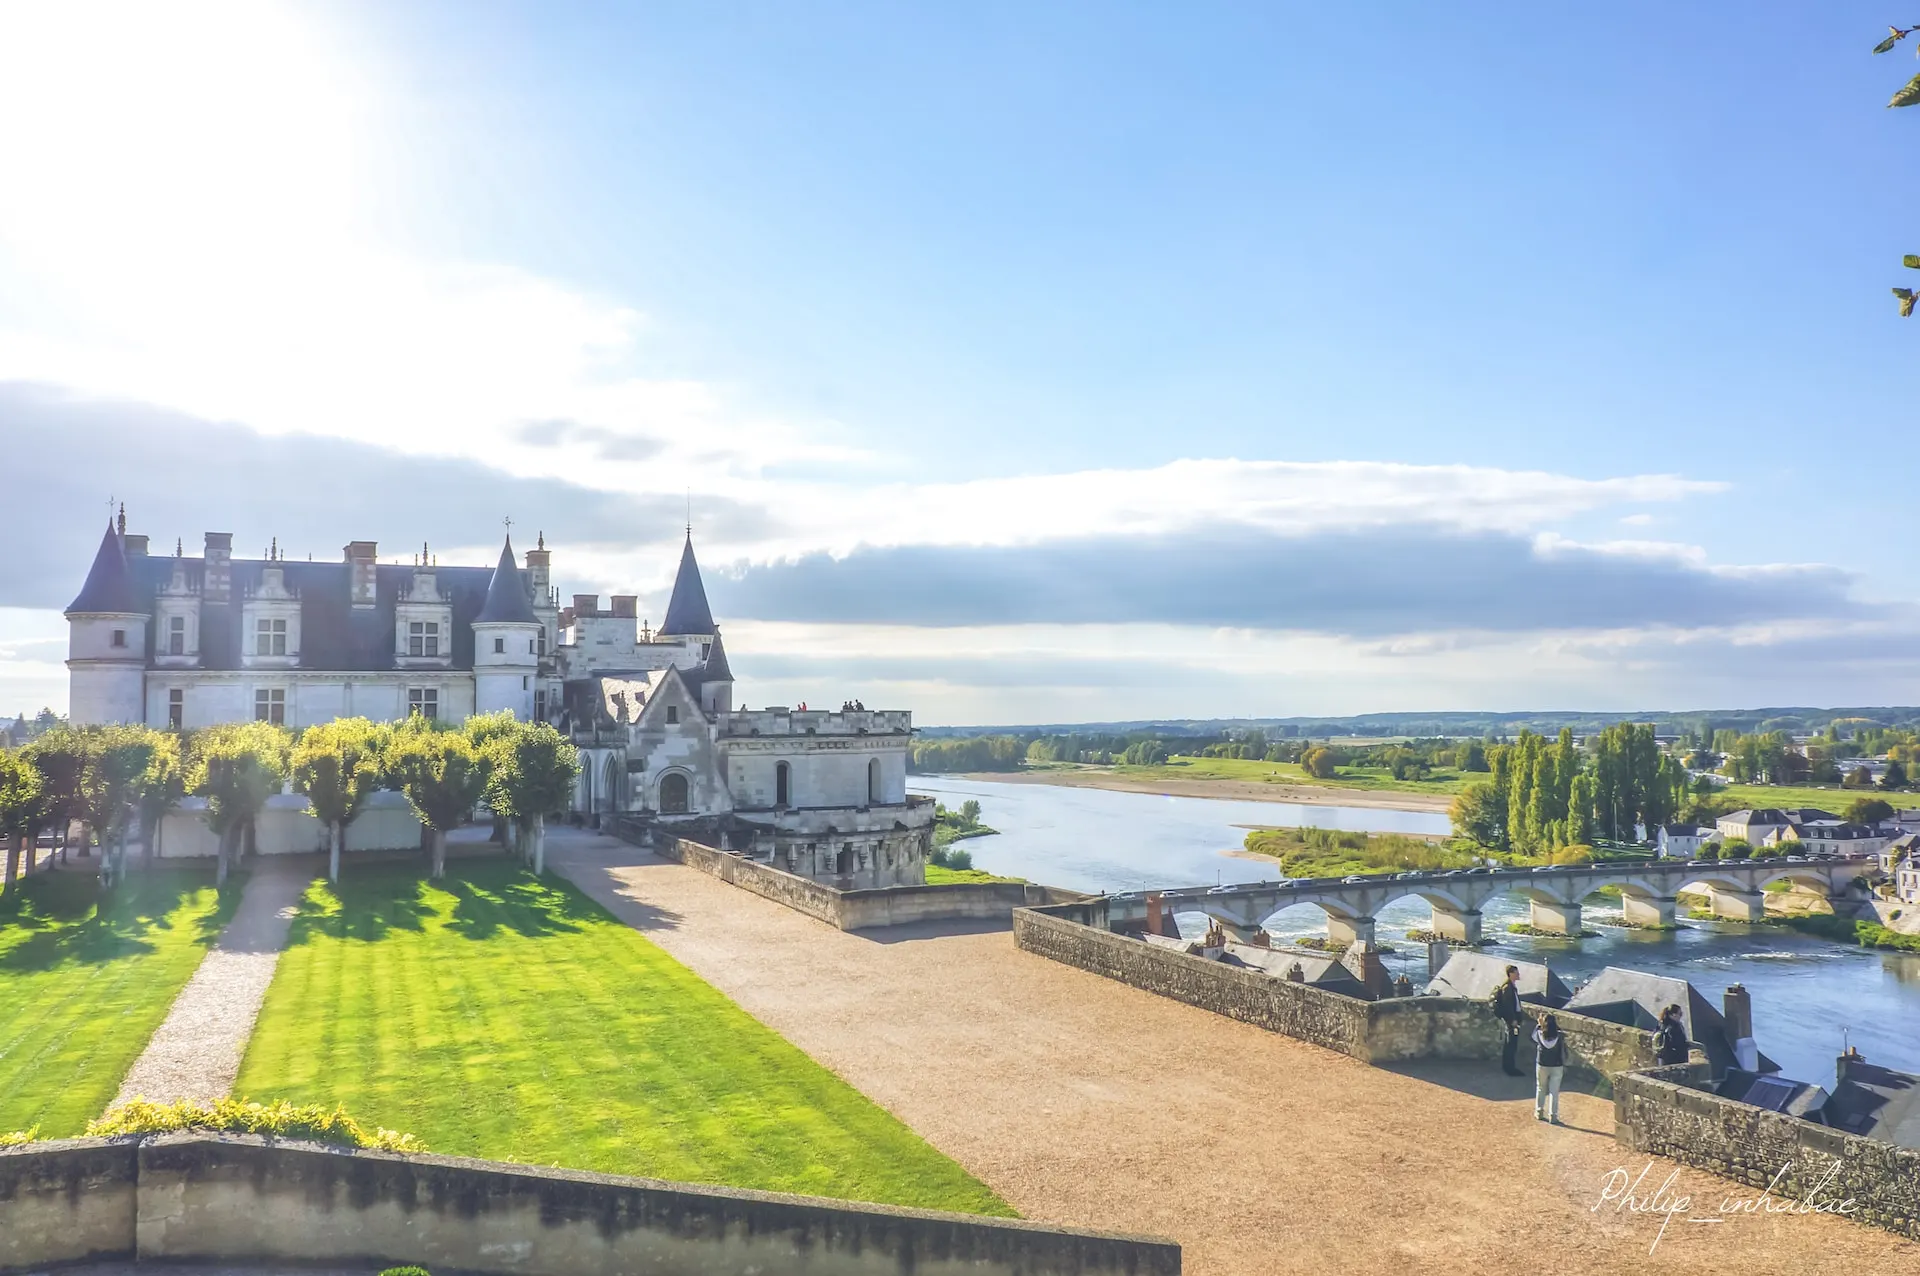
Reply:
x=1012, y=363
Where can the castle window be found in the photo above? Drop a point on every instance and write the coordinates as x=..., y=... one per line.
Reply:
x=270, y=638
x=177, y=636
x=119, y=637
x=673, y=714
x=270, y=706
x=529, y=646
x=543, y=640
x=423, y=638
x=424, y=701
x=540, y=706
x=499, y=646
x=873, y=780
x=176, y=708
x=782, y=783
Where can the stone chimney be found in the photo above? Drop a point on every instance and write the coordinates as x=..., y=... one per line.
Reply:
x=136, y=546
x=586, y=605
x=1363, y=960
x=540, y=571
x=216, y=584
x=1845, y=1064
x=1737, y=1008
x=363, y=558
x=627, y=606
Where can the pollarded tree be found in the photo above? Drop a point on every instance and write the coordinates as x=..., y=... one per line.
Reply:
x=236, y=766
x=339, y=765
x=443, y=776
x=161, y=789
x=487, y=732
x=534, y=769
x=117, y=763
x=22, y=810
x=60, y=756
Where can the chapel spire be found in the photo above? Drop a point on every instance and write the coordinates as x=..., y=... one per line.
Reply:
x=687, y=610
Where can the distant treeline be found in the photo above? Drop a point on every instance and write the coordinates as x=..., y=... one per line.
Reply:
x=1700, y=723
x=1411, y=759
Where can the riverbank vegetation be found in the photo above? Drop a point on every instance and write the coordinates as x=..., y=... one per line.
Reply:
x=1851, y=930
x=1311, y=852
x=939, y=875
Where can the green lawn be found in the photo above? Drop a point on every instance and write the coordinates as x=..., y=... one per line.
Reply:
x=503, y=1016
x=1444, y=780
x=938, y=876
x=1834, y=798
x=82, y=988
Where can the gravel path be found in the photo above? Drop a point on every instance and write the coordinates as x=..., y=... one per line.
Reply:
x=1085, y=1102
x=195, y=1053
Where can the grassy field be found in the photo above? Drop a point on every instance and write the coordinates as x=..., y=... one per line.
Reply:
x=1309, y=852
x=1834, y=798
x=498, y=1015
x=83, y=987
x=1444, y=780
x=938, y=876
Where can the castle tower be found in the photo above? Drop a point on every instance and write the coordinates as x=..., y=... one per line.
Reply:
x=716, y=679
x=506, y=636
x=688, y=615
x=107, y=640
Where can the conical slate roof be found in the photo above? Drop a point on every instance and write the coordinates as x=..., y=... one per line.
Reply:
x=687, y=610
x=507, y=594
x=714, y=667
x=109, y=586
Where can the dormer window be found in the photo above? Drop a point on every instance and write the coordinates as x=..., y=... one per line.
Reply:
x=177, y=636
x=270, y=638
x=423, y=638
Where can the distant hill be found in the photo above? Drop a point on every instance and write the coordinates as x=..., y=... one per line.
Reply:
x=1794, y=718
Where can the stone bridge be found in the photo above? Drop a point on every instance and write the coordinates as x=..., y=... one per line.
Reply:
x=1648, y=889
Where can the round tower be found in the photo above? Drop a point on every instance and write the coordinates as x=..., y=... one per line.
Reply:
x=107, y=640
x=506, y=636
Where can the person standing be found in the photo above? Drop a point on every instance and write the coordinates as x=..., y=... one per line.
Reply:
x=1549, y=1068
x=1506, y=1008
x=1670, y=1045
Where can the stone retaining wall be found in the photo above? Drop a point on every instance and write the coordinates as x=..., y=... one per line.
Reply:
x=1386, y=1031
x=1662, y=1111
x=858, y=909
x=234, y=1199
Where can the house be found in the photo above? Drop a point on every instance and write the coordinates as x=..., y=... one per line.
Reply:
x=1896, y=850
x=1829, y=836
x=1683, y=841
x=1906, y=879
x=1867, y=1100
x=1756, y=826
x=1636, y=999
x=1475, y=976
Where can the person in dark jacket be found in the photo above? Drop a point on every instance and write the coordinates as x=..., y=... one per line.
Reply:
x=1506, y=1008
x=1670, y=1038
x=1549, y=1068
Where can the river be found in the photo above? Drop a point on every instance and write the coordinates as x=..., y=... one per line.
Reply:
x=1809, y=995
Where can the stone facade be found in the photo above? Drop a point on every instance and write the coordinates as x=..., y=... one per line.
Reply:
x=1664, y=1112
x=237, y=1200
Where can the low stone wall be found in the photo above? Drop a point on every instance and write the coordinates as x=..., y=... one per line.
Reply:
x=1386, y=1031
x=67, y=1202
x=1663, y=1112
x=233, y=1199
x=859, y=909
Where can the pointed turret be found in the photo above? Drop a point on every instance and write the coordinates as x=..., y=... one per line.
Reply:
x=109, y=589
x=687, y=610
x=507, y=594
x=714, y=667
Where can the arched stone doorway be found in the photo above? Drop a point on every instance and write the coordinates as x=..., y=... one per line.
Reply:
x=673, y=794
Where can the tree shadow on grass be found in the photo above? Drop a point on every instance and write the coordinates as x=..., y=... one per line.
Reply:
x=73, y=920
x=364, y=906
x=491, y=900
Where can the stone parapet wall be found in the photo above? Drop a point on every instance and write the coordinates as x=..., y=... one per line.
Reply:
x=1663, y=1112
x=855, y=909
x=239, y=1200
x=1386, y=1031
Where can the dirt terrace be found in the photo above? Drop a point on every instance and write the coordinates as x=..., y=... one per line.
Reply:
x=1087, y=1103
